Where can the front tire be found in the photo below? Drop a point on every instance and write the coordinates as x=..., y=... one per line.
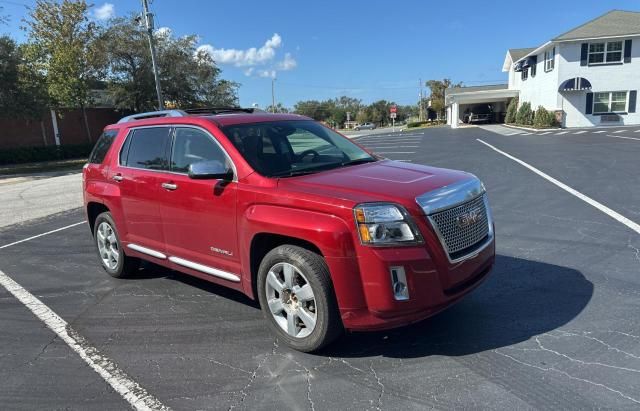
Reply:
x=297, y=298
x=114, y=261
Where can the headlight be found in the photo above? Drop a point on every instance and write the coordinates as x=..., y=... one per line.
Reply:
x=385, y=224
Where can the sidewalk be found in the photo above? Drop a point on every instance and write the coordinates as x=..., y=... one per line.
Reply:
x=44, y=169
x=25, y=198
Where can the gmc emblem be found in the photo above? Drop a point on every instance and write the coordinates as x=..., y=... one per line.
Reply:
x=468, y=219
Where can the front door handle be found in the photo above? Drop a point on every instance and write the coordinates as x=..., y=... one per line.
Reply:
x=118, y=177
x=169, y=186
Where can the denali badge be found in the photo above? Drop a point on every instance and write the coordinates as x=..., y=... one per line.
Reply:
x=467, y=219
x=221, y=251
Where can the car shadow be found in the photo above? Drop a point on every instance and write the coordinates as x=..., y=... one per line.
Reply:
x=519, y=300
x=149, y=270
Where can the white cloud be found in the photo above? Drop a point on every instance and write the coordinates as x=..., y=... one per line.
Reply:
x=249, y=57
x=289, y=63
x=248, y=71
x=267, y=73
x=105, y=12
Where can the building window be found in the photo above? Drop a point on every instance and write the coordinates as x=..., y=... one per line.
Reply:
x=602, y=53
x=610, y=102
x=549, y=59
x=524, y=74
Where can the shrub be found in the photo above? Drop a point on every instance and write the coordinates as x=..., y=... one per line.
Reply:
x=416, y=124
x=512, y=109
x=543, y=118
x=525, y=114
x=49, y=153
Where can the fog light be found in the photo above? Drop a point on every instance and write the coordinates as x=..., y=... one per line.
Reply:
x=399, y=283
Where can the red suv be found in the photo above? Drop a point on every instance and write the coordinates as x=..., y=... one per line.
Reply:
x=326, y=235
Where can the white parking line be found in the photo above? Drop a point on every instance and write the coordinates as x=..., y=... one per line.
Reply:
x=580, y=132
x=613, y=214
x=637, y=131
x=128, y=389
x=546, y=132
x=389, y=138
x=526, y=134
x=619, y=131
x=600, y=131
x=561, y=133
x=626, y=138
x=388, y=142
x=391, y=146
x=41, y=235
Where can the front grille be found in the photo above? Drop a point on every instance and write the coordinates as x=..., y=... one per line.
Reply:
x=459, y=235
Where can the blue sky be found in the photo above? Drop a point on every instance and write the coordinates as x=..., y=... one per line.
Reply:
x=365, y=49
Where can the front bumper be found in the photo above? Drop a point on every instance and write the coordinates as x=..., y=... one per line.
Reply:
x=434, y=284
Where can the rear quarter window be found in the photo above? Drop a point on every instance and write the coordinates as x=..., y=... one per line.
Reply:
x=102, y=147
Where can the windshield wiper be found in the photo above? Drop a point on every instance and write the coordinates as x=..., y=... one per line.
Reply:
x=358, y=161
x=291, y=173
x=329, y=166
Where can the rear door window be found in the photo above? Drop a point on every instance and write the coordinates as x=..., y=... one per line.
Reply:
x=102, y=146
x=147, y=148
x=194, y=146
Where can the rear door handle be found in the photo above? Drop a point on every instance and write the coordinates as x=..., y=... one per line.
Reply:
x=118, y=177
x=169, y=186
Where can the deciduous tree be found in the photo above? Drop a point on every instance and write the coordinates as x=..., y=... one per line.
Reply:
x=61, y=44
x=189, y=77
x=22, y=90
x=437, y=88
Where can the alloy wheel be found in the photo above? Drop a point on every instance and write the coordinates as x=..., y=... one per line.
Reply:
x=291, y=300
x=108, y=246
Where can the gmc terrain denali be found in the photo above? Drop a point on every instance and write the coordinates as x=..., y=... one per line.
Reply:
x=326, y=235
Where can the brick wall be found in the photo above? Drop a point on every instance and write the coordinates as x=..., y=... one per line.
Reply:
x=30, y=133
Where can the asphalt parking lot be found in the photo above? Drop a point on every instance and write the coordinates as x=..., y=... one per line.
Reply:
x=555, y=326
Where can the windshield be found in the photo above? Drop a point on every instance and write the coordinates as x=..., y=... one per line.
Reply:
x=295, y=147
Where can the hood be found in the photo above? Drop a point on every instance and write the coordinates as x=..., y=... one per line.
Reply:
x=385, y=180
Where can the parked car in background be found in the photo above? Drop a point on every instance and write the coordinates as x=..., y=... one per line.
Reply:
x=365, y=126
x=324, y=234
x=480, y=113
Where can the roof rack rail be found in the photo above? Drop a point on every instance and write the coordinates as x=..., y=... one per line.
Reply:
x=218, y=110
x=153, y=114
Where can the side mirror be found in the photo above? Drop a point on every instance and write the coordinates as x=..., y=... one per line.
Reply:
x=210, y=170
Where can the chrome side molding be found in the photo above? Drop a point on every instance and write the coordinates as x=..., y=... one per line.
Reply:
x=205, y=269
x=147, y=251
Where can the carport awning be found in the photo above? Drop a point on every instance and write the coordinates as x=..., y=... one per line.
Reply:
x=576, y=83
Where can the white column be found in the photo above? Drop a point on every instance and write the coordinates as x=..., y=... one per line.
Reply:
x=56, y=133
x=454, y=115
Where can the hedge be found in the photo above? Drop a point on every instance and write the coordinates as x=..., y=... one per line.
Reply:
x=525, y=115
x=544, y=118
x=512, y=109
x=425, y=123
x=49, y=153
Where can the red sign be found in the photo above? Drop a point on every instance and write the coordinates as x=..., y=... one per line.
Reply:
x=393, y=109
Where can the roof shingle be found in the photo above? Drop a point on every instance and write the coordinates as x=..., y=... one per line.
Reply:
x=613, y=23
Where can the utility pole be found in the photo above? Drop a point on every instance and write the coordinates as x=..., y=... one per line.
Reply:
x=421, y=110
x=148, y=21
x=273, y=95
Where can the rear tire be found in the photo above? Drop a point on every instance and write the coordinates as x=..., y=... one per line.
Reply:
x=112, y=257
x=297, y=298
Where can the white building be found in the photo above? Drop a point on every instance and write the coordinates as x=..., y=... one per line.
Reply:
x=589, y=75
